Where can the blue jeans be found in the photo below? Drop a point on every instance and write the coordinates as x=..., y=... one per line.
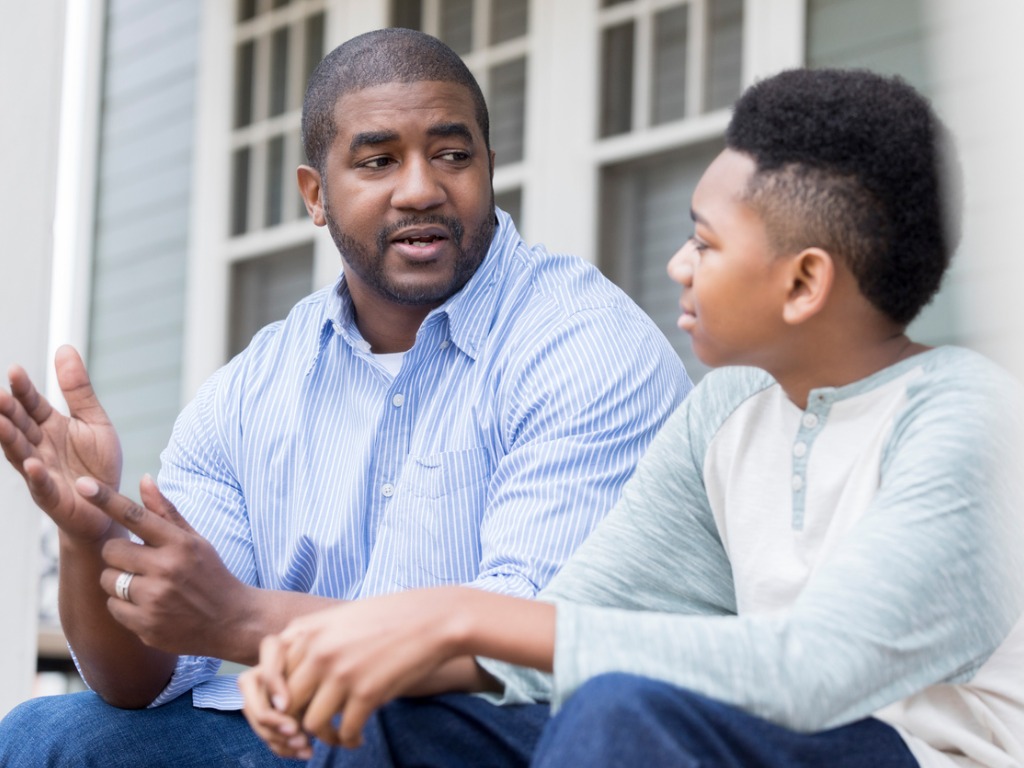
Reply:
x=83, y=731
x=613, y=720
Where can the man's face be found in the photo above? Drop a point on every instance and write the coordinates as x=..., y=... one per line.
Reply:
x=407, y=192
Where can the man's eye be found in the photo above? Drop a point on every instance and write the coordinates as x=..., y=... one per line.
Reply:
x=376, y=162
x=455, y=155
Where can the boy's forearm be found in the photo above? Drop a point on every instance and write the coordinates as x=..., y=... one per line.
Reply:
x=506, y=628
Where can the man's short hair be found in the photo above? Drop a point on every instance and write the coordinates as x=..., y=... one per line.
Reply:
x=383, y=56
x=858, y=164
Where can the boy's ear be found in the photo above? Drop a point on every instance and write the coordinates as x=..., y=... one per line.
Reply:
x=310, y=188
x=812, y=275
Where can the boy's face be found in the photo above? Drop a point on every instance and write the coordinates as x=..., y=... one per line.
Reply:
x=734, y=287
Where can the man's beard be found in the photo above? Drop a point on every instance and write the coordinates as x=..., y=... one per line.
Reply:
x=370, y=267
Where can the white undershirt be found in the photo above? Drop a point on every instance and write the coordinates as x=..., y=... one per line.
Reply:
x=392, y=361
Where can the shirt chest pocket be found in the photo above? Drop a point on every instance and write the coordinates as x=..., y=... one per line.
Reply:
x=446, y=475
x=438, y=516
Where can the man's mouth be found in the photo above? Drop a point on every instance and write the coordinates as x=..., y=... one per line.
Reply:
x=421, y=242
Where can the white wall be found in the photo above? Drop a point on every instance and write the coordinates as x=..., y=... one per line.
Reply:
x=31, y=42
x=978, y=60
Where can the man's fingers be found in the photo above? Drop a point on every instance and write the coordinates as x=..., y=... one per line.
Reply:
x=77, y=388
x=147, y=525
x=40, y=484
x=15, y=406
x=158, y=503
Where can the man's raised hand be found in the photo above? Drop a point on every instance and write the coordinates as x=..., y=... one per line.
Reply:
x=50, y=450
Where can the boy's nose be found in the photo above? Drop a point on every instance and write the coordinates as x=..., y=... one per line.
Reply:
x=680, y=266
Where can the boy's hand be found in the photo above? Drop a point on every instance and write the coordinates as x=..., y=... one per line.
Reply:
x=357, y=657
x=51, y=450
x=267, y=702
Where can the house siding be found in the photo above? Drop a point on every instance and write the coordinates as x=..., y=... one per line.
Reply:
x=144, y=178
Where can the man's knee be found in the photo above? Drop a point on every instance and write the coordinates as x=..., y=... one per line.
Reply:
x=37, y=732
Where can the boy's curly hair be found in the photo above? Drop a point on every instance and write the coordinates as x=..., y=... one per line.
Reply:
x=858, y=164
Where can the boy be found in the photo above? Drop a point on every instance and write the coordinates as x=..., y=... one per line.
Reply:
x=817, y=561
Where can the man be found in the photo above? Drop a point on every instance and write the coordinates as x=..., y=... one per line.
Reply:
x=458, y=408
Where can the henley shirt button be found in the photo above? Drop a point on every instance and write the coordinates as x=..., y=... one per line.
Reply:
x=798, y=482
x=388, y=490
x=398, y=400
x=800, y=450
x=444, y=344
x=810, y=420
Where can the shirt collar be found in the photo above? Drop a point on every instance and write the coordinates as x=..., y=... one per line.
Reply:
x=468, y=312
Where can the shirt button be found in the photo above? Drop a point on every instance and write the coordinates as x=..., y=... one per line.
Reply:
x=810, y=420
x=800, y=450
x=798, y=482
x=398, y=400
x=444, y=344
x=388, y=490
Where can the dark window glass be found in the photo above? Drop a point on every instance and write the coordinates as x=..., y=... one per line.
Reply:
x=617, y=80
x=240, y=191
x=509, y=19
x=670, y=51
x=244, y=61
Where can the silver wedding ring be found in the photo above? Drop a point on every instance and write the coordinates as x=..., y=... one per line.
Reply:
x=123, y=583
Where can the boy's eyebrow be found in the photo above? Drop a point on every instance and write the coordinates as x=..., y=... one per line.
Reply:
x=698, y=219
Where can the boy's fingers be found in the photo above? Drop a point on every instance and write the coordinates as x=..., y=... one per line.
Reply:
x=147, y=525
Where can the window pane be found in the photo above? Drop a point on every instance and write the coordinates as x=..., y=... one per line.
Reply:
x=246, y=9
x=511, y=202
x=645, y=217
x=278, y=71
x=275, y=181
x=407, y=14
x=244, y=60
x=457, y=24
x=617, y=80
x=264, y=289
x=507, y=106
x=314, y=44
x=508, y=20
x=670, y=50
x=240, y=191
x=725, y=54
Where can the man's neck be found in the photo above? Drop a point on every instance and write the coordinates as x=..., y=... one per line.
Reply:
x=387, y=325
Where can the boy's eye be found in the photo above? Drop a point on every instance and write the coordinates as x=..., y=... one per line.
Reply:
x=698, y=245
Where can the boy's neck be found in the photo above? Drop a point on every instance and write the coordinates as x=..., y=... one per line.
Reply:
x=842, y=362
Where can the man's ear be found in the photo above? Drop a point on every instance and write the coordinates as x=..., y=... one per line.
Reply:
x=812, y=275
x=312, y=193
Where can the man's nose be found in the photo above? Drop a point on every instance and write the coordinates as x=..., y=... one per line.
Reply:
x=418, y=186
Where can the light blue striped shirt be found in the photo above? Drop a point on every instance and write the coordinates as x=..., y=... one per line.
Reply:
x=515, y=419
